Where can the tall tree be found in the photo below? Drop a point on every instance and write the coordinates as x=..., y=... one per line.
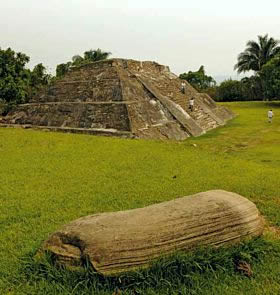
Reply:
x=77, y=60
x=17, y=83
x=252, y=87
x=14, y=77
x=39, y=76
x=96, y=55
x=62, y=69
x=230, y=90
x=198, y=79
x=270, y=75
x=89, y=56
x=257, y=54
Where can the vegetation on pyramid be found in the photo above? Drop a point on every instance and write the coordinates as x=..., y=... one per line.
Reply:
x=123, y=98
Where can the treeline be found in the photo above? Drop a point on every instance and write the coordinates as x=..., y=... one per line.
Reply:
x=261, y=57
x=18, y=84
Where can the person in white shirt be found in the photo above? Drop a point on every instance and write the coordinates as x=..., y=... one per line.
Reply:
x=270, y=116
x=191, y=104
x=183, y=86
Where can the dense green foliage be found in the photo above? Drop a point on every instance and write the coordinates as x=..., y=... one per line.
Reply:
x=252, y=88
x=233, y=90
x=257, y=54
x=89, y=56
x=13, y=76
x=199, y=79
x=48, y=179
x=270, y=75
x=260, y=57
x=62, y=69
x=17, y=83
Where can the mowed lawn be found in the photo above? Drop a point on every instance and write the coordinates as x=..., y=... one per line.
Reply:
x=48, y=179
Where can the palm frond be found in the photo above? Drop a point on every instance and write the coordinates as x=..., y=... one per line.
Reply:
x=257, y=54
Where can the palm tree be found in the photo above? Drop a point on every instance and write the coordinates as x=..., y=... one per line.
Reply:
x=90, y=56
x=96, y=55
x=257, y=54
x=77, y=60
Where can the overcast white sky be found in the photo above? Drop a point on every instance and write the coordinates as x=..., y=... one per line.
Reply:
x=180, y=33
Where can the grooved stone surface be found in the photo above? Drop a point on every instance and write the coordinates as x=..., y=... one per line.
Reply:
x=121, y=241
x=142, y=98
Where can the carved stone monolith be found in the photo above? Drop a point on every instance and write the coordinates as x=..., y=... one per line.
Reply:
x=118, y=242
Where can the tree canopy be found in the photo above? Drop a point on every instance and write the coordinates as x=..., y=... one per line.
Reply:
x=89, y=56
x=261, y=57
x=257, y=54
x=198, y=79
x=270, y=74
x=17, y=83
x=13, y=76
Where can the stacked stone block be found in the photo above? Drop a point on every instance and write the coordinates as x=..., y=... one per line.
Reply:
x=122, y=97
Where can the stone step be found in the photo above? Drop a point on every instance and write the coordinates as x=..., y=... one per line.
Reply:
x=172, y=89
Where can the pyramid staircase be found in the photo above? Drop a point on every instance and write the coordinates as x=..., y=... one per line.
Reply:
x=123, y=98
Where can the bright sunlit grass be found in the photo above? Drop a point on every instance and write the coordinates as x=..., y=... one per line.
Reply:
x=48, y=179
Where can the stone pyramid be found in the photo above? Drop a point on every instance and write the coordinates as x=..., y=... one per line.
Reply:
x=123, y=98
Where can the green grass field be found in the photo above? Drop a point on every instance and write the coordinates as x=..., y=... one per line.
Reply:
x=48, y=179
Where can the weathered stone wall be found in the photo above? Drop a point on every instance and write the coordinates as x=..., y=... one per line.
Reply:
x=148, y=117
x=169, y=85
x=85, y=85
x=143, y=98
x=79, y=115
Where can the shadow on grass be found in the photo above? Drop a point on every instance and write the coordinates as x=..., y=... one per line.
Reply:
x=175, y=271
